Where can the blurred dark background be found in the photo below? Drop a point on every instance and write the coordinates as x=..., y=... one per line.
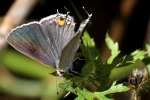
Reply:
x=126, y=21
x=104, y=13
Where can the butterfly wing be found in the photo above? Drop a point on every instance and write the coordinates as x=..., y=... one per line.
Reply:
x=59, y=34
x=49, y=41
x=69, y=52
x=71, y=48
x=30, y=40
x=44, y=40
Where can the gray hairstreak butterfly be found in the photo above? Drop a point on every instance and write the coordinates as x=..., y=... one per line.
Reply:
x=52, y=41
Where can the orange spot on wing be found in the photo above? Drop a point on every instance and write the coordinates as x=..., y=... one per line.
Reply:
x=60, y=22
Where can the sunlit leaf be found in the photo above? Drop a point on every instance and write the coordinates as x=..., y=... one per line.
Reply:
x=114, y=47
x=88, y=48
x=138, y=55
x=148, y=49
x=84, y=94
x=90, y=53
x=116, y=88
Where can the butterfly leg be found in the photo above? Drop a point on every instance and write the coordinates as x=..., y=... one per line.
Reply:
x=60, y=72
x=73, y=71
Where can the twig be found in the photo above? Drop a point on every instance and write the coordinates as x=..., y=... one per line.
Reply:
x=16, y=14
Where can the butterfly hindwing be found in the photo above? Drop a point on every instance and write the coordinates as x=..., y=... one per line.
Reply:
x=69, y=52
x=30, y=40
x=71, y=48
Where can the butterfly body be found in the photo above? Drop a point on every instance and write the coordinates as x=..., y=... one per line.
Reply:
x=52, y=40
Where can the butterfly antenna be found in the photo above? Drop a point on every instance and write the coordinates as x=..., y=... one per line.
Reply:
x=84, y=23
x=66, y=11
x=57, y=11
x=89, y=15
x=85, y=11
x=67, y=14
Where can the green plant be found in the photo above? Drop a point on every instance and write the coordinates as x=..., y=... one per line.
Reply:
x=98, y=79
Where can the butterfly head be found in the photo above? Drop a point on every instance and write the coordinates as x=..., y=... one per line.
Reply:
x=63, y=19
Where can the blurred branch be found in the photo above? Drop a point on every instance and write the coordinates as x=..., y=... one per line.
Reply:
x=118, y=25
x=147, y=38
x=45, y=88
x=11, y=85
x=16, y=14
x=23, y=65
x=122, y=72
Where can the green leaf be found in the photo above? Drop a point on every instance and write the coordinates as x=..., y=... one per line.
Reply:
x=23, y=65
x=90, y=53
x=101, y=75
x=102, y=97
x=84, y=94
x=116, y=88
x=88, y=48
x=87, y=40
x=148, y=49
x=138, y=55
x=122, y=72
x=114, y=47
x=95, y=72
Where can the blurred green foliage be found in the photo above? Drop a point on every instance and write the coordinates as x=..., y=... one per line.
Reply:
x=21, y=64
x=100, y=75
x=22, y=76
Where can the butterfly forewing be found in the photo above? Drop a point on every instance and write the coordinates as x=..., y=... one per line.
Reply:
x=59, y=35
x=44, y=40
x=30, y=40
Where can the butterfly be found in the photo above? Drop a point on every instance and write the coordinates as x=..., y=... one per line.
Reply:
x=52, y=40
